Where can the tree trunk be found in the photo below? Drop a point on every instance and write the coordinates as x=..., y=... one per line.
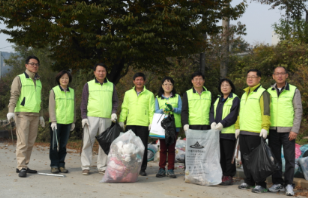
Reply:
x=225, y=48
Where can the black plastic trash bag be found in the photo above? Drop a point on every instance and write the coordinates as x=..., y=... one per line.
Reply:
x=261, y=162
x=108, y=136
x=168, y=124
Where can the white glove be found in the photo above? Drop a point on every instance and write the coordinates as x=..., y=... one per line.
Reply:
x=149, y=128
x=85, y=122
x=42, y=122
x=237, y=133
x=113, y=117
x=263, y=133
x=10, y=116
x=213, y=125
x=54, y=125
x=186, y=127
x=219, y=126
x=121, y=125
x=72, y=126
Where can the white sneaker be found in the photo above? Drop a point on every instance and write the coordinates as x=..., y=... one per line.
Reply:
x=276, y=188
x=289, y=190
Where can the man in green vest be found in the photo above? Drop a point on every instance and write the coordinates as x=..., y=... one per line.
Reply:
x=286, y=112
x=196, y=105
x=138, y=109
x=253, y=122
x=25, y=108
x=98, y=108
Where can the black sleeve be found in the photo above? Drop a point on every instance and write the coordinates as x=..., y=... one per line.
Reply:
x=211, y=114
x=233, y=115
x=185, y=110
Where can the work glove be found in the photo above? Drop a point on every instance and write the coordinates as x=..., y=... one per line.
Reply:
x=85, y=122
x=149, y=128
x=113, y=117
x=237, y=133
x=10, y=116
x=54, y=125
x=121, y=125
x=263, y=133
x=186, y=127
x=72, y=126
x=213, y=125
x=219, y=126
x=42, y=122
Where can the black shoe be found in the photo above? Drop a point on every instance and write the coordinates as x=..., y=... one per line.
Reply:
x=142, y=173
x=22, y=173
x=31, y=171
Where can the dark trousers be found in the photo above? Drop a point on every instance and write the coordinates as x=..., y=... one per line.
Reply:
x=247, y=144
x=58, y=157
x=276, y=140
x=167, y=150
x=226, y=154
x=143, y=133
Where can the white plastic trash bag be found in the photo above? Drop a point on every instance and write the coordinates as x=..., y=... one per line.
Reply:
x=203, y=157
x=124, y=159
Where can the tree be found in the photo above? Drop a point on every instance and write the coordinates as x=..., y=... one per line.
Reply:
x=125, y=33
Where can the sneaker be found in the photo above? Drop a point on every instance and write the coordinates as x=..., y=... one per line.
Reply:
x=63, y=170
x=245, y=186
x=289, y=190
x=54, y=170
x=31, y=171
x=161, y=173
x=102, y=171
x=223, y=180
x=142, y=173
x=170, y=173
x=228, y=180
x=259, y=189
x=23, y=173
x=85, y=172
x=276, y=188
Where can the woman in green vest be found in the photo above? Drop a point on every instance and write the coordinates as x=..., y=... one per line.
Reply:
x=62, y=118
x=223, y=115
x=167, y=94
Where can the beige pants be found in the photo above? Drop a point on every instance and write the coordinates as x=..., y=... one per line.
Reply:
x=97, y=126
x=26, y=132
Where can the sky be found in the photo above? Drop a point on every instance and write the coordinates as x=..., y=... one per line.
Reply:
x=258, y=19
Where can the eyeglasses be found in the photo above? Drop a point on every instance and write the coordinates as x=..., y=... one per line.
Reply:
x=279, y=74
x=34, y=64
x=167, y=85
x=251, y=77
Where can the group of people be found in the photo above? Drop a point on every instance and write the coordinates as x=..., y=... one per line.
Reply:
x=274, y=113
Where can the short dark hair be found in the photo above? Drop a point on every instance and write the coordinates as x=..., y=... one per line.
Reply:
x=280, y=67
x=139, y=74
x=60, y=74
x=229, y=81
x=198, y=73
x=99, y=64
x=255, y=70
x=161, y=91
x=31, y=57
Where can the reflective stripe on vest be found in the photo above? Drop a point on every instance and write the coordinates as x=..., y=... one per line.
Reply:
x=250, y=112
x=199, y=107
x=30, y=97
x=174, y=102
x=64, y=105
x=282, y=109
x=100, y=99
x=226, y=111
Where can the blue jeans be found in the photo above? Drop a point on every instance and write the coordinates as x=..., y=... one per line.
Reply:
x=58, y=157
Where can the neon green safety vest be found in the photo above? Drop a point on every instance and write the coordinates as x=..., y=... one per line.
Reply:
x=64, y=105
x=282, y=109
x=30, y=97
x=174, y=102
x=199, y=107
x=226, y=111
x=100, y=99
x=250, y=112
